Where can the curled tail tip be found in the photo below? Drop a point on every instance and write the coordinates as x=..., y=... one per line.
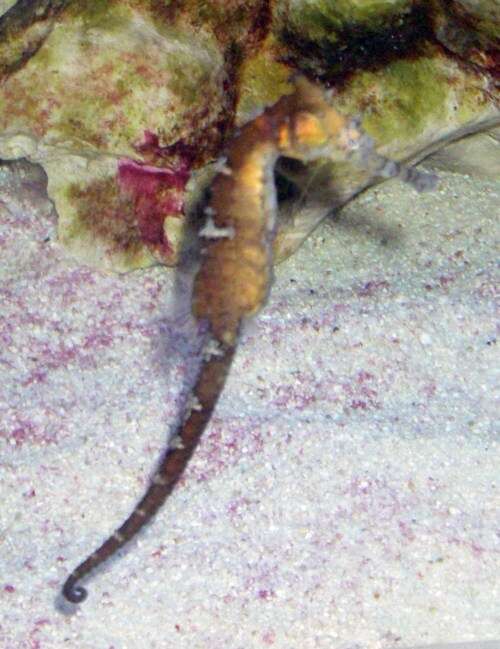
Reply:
x=73, y=593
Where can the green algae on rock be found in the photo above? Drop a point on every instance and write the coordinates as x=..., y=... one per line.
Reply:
x=89, y=99
x=127, y=104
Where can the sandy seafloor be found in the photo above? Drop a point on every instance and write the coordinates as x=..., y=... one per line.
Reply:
x=346, y=493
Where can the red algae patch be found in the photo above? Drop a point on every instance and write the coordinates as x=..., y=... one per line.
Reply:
x=157, y=194
x=137, y=212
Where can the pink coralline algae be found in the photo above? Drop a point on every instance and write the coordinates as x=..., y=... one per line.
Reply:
x=157, y=194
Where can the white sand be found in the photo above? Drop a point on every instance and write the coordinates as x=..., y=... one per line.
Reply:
x=345, y=495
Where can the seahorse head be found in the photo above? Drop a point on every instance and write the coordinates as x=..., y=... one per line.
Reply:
x=314, y=129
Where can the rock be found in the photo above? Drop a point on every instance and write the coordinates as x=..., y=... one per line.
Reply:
x=127, y=105
x=477, y=155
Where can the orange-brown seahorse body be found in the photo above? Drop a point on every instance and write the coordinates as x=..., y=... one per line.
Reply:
x=235, y=274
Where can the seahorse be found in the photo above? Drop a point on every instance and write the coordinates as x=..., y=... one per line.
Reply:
x=235, y=273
